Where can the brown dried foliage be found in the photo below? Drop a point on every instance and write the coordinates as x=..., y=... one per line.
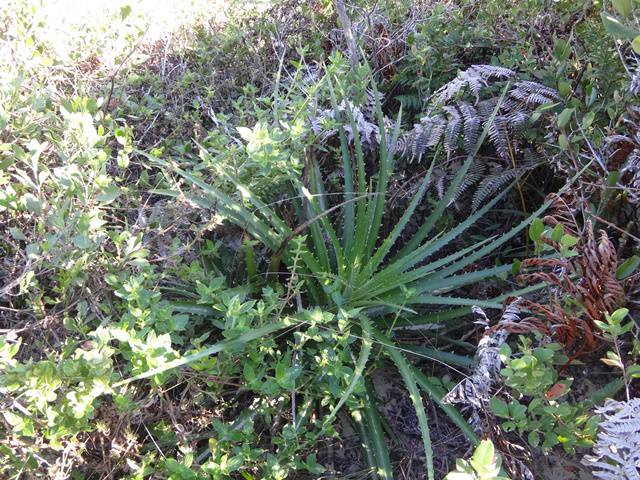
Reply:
x=584, y=286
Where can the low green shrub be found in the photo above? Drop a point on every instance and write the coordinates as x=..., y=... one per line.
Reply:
x=537, y=408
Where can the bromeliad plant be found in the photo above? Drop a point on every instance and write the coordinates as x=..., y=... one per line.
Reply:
x=346, y=268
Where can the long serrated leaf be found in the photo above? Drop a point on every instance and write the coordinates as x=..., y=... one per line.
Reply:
x=387, y=163
x=446, y=238
x=317, y=276
x=505, y=237
x=393, y=276
x=220, y=206
x=376, y=434
x=439, y=355
x=262, y=208
x=376, y=207
x=318, y=204
x=445, y=316
x=249, y=258
x=237, y=213
x=497, y=242
x=366, y=441
x=441, y=284
x=455, y=301
x=437, y=393
x=433, y=300
x=416, y=399
x=442, y=316
x=355, y=255
x=348, y=216
x=388, y=243
x=319, y=245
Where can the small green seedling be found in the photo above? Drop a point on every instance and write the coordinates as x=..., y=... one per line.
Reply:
x=483, y=465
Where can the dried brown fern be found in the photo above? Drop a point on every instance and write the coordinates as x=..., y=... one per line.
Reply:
x=584, y=286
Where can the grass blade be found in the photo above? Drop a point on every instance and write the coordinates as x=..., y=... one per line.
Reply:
x=416, y=399
x=366, y=442
x=376, y=435
x=437, y=393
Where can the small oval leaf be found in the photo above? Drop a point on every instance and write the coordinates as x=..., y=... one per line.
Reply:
x=565, y=116
x=536, y=229
x=628, y=267
x=499, y=407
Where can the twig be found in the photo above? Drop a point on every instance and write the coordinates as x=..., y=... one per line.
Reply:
x=612, y=225
x=117, y=70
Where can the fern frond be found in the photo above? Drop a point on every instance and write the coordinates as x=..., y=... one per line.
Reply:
x=474, y=78
x=475, y=390
x=486, y=107
x=477, y=171
x=472, y=122
x=369, y=108
x=424, y=135
x=438, y=125
x=499, y=135
x=440, y=176
x=419, y=141
x=454, y=127
x=616, y=454
x=533, y=93
x=456, y=122
x=493, y=183
x=493, y=71
x=517, y=120
x=409, y=101
x=364, y=117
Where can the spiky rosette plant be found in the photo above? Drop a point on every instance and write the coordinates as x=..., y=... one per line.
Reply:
x=348, y=267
